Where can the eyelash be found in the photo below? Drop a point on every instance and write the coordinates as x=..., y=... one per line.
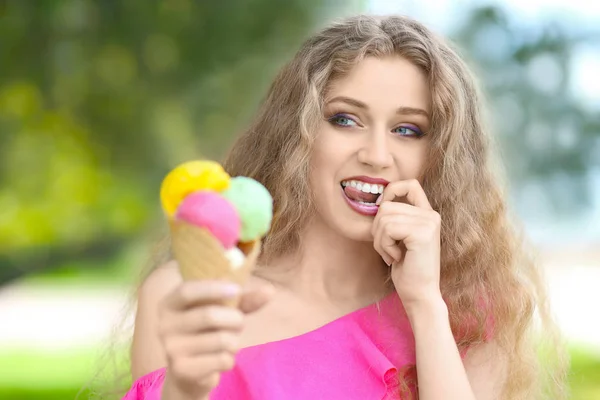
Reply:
x=332, y=120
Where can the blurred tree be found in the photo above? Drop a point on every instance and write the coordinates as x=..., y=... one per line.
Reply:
x=98, y=99
x=545, y=132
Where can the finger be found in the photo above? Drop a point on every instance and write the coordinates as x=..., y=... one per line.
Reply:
x=393, y=230
x=193, y=293
x=386, y=247
x=410, y=189
x=200, y=368
x=377, y=233
x=210, y=342
x=395, y=208
x=389, y=244
x=406, y=234
x=256, y=298
x=207, y=318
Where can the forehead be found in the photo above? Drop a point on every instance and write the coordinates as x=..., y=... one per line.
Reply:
x=386, y=82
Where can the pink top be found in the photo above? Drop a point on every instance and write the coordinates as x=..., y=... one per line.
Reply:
x=357, y=356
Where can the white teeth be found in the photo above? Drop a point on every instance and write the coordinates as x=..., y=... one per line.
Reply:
x=365, y=187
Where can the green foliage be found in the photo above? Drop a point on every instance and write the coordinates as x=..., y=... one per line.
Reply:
x=585, y=374
x=38, y=393
x=99, y=99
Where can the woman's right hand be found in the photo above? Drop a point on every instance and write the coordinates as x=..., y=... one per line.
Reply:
x=201, y=335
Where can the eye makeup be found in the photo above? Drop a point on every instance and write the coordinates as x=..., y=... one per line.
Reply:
x=343, y=120
x=408, y=130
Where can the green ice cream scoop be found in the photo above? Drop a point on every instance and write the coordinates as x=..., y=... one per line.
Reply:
x=254, y=205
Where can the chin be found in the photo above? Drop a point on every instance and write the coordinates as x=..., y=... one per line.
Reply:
x=358, y=231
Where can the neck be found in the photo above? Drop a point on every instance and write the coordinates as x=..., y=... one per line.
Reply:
x=332, y=268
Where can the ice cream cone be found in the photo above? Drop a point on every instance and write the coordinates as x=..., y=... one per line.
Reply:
x=202, y=257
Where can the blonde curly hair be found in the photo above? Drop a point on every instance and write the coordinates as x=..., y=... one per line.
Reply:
x=484, y=260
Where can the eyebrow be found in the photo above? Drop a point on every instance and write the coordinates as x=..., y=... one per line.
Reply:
x=357, y=103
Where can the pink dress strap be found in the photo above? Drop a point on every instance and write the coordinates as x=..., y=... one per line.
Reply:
x=357, y=356
x=148, y=387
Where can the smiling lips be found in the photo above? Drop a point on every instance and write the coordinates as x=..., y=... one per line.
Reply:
x=361, y=194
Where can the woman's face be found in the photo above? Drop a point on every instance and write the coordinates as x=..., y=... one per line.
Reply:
x=373, y=132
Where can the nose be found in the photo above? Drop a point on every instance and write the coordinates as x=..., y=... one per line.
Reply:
x=375, y=151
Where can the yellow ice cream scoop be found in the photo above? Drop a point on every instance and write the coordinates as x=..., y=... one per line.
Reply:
x=190, y=177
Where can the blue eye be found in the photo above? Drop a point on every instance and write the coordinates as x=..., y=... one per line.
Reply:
x=342, y=120
x=408, y=131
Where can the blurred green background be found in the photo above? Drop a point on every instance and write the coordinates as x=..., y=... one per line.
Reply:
x=99, y=99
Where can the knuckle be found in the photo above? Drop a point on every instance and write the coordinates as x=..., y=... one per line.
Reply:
x=209, y=316
x=226, y=341
x=388, y=229
x=237, y=318
x=187, y=292
x=224, y=361
x=435, y=224
x=428, y=232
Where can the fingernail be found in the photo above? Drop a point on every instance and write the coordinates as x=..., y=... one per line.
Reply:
x=232, y=290
x=378, y=201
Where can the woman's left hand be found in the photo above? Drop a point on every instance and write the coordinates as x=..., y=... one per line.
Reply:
x=407, y=236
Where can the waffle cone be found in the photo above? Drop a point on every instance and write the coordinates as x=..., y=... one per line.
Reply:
x=202, y=257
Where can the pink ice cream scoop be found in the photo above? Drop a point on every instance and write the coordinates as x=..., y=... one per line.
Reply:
x=211, y=211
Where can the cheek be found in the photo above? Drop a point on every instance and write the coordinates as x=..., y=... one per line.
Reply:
x=318, y=167
x=420, y=157
x=412, y=160
x=326, y=161
x=325, y=152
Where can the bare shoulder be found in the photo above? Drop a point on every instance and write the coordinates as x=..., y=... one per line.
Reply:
x=161, y=281
x=276, y=320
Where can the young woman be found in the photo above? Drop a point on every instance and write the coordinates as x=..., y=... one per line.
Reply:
x=391, y=270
